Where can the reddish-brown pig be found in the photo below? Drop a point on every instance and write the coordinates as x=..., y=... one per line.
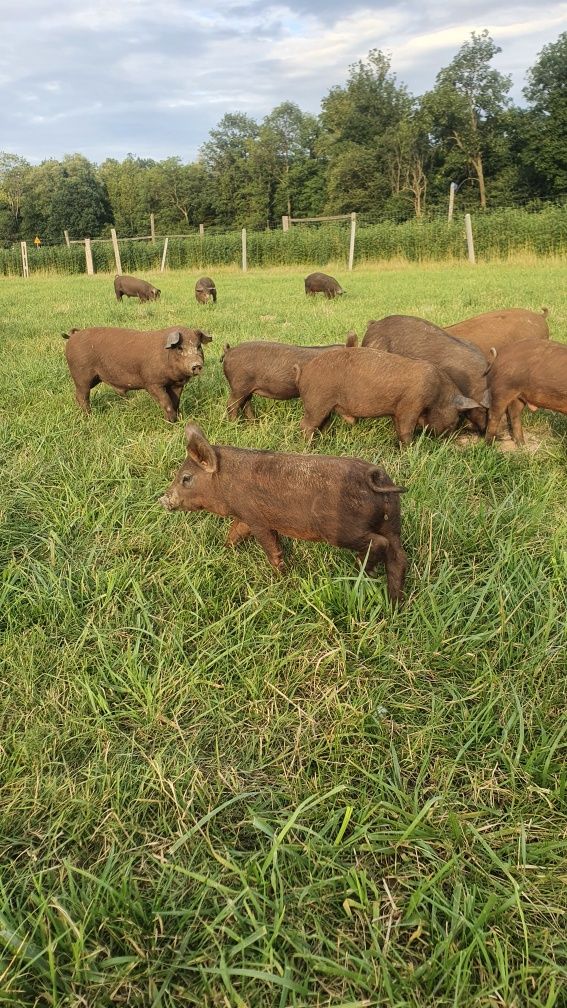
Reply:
x=370, y=383
x=322, y=283
x=134, y=287
x=343, y=501
x=161, y=362
x=266, y=369
x=495, y=329
x=532, y=373
x=205, y=290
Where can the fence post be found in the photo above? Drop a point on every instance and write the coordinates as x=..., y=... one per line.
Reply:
x=116, y=250
x=89, y=256
x=201, y=230
x=25, y=267
x=452, y=191
x=67, y=242
x=352, y=238
x=164, y=256
x=244, y=251
x=152, y=227
x=470, y=243
x=285, y=223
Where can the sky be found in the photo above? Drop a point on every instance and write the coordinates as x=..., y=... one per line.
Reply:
x=152, y=77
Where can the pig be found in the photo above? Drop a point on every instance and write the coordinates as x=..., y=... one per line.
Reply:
x=205, y=290
x=134, y=287
x=321, y=283
x=495, y=329
x=265, y=369
x=161, y=362
x=414, y=337
x=371, y=383
x=532, y=373
x=342, y=501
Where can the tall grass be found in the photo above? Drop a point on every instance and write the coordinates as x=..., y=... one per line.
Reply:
x=497, y=234
x=223, y=787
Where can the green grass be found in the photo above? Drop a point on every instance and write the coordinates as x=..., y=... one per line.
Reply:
x=224, y=788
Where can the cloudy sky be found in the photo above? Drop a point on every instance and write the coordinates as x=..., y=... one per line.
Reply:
x=151, y=77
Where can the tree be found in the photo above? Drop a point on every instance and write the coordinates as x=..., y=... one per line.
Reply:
x=127, y=184
x=354, y=120
x=226, y=158
x=546, y=123
x=466, y=102
x=409, y=155
x=79, y=202
x=14, y=172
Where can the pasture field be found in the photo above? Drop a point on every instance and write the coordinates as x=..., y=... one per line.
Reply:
x=221, y=787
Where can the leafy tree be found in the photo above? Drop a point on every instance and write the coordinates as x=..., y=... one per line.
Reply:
x=79, y=203
x=354, y=119
x=545, y=126
x=226, y=158
x=127, y=184
x=409, y=157
x=466, y=103
x=180, y=195
x=14, y=172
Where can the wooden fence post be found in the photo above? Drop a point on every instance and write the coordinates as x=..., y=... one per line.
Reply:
x=452, y=191
x=116, y=250
x=201, y=230
x=285, y=223
x=89, y=256
x=164, y=256
x=244, y=251
x=67, y=242
x=469, y=234
x=25, y=267
x=352, y=238
x=152, y=227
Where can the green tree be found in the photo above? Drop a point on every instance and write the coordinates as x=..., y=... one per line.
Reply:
x=354, y=120
x=545, y=126
x=226, y=158
x=14, y=173
x=79, y=203
x=127, y=185
x=465, y=106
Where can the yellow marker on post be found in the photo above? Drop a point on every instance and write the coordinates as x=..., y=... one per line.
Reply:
x=37, y=241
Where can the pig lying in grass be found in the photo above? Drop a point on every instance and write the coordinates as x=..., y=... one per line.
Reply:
x=342, y=501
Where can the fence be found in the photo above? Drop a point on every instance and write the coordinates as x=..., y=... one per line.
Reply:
x=496, y=235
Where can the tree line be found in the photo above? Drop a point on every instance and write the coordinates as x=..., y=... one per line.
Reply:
x=374, y=148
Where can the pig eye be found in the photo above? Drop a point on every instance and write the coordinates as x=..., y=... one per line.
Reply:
x=186, y=479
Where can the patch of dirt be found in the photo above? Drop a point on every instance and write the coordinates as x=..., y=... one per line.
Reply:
x=504, y=442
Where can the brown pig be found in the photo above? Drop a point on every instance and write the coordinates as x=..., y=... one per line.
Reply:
x=343, y=501
x=134, y=287
x=414, y=337
x=531, y=373
x=495, y=329
x=370, y=383
x=205, y=290
x=160, y=362
x=322, y=283
x=266, y=369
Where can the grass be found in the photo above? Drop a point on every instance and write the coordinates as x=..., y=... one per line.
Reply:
x=224, y=788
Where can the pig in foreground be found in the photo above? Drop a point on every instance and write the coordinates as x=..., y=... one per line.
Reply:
x=205, y=290
x=532, y=373
x=160, y=362
x=134, y=287
x=343, y=501
x=322, y=283
x=495, y=329
x=266, y=369
x=414, y=337
x=370, y=383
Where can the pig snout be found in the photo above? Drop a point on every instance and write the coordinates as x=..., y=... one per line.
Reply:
x=196, y=369
x=169, y=500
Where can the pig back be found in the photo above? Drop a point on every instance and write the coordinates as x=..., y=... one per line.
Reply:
x=419, y=339
x=497, y=328
x=306, y=497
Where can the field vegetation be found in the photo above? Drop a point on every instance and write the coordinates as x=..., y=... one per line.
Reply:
x=224, y=787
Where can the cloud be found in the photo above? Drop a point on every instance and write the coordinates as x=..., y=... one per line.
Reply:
x=154, y=76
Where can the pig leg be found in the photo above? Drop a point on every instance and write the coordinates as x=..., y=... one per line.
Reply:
x=393, y=557
x=315, y=418
x=346, y=416
x=405, y=425
x=174, y=392
x=238, y=531
x=240, y=402
x=495, y=415
x=83, y=391
x=270, y=543
x=514, y=416
x=161, y=396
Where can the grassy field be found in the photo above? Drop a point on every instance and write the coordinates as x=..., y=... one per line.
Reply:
x=224, y=788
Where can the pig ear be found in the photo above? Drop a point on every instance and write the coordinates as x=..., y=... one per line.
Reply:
x=464, y=403
x=173, y=339
x=203, y=336
x=351, y=339
x=486, y=399
x=199, y=449
x=377, y=479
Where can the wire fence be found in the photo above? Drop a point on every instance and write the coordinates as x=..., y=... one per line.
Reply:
x=497, y=234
